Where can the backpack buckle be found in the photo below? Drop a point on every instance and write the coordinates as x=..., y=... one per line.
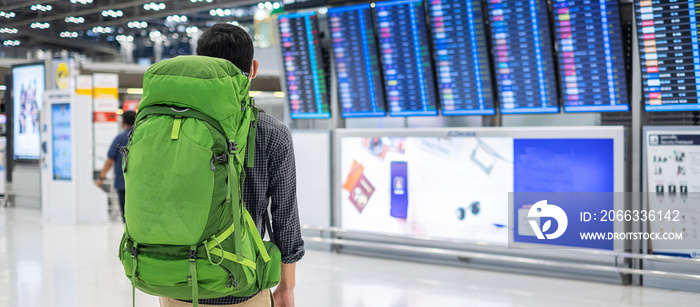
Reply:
x=193, y=255
x=232, y=147
x=134, y=252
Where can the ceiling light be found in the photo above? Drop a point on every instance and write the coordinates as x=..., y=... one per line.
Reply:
x=113, y=14
x=7, y=14
x=260, y=15
x=134, y=91
x=81, y=1
x=69, y=34
x=40, y=25
x=154, y=6
x=173, y=19
x=125, y=38
x=8, y=30
x=100, y=29
x=137, y=24
x=10, y=43
x=39, y=7
x=71, y=19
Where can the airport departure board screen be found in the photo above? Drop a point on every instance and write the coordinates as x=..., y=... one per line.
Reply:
x=591, y=55
x=406, y=60
x=668, y=46
x=360, y=84
x=307, y=90
x=523, y=56
x=463, y=71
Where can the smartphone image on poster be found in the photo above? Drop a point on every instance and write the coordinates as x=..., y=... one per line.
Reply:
x=399, y=189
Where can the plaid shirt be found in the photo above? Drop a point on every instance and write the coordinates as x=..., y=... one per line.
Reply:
x=272, y=181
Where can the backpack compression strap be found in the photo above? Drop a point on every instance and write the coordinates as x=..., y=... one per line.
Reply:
x=175, y=112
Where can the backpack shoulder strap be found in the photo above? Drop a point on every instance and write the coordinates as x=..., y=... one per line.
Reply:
x=252, y=134
x=183, y=112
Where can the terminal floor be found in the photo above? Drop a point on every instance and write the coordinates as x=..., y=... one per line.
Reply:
x=44, y=264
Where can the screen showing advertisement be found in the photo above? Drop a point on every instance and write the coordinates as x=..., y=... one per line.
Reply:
x=307, y=89
x=451, y=188
x=668, y=47
x=28, y=84
x=360, y=84
x=522, y=49
x=591, y=55
x=406, y=59
x=458, y=188
x=463, y=68
x=61, y=138
x=555, y=170
x=673, y=185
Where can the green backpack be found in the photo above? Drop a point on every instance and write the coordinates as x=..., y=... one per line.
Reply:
x=188, y=234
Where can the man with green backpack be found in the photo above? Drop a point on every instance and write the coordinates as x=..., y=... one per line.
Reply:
x=201, y=166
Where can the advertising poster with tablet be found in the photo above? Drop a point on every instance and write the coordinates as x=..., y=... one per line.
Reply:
x=457, y=187
x=28, y=84
x=425, y=186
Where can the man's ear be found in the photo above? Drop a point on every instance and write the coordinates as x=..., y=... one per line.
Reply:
x=254, y=69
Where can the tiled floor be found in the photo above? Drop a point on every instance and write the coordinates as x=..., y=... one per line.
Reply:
x=60, y=265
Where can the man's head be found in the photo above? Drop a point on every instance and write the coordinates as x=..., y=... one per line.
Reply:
x=128, y=119
x=230, y=42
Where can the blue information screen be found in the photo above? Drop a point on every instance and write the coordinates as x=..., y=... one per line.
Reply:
x=61, y=142
x=307, y=90
x=406, y=60
x=575, y=174
x=360, y=84
x=459, y=41
x=522, y=49
x=591, y=55
x=668, y=46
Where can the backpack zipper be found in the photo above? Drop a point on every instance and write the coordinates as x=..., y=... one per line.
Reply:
x=231, y=282
x=125, y=154
x=223, y=158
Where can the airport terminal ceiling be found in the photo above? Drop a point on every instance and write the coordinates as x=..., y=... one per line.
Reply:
x=94, y=27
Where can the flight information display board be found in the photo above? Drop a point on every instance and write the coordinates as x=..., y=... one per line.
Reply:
x=360, y=84
x=459, y=41
x=307, y=90
x=406, y=60
x=668, y=46
x=591, y=58
x=522, y=50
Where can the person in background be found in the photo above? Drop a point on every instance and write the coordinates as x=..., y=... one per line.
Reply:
x=114, y=158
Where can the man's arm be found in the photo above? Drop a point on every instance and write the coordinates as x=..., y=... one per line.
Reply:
x=284, y=294
x=111, y=157
x=103, y=174
x=285, y=215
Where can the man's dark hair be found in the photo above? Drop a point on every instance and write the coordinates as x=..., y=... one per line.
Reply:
x=227, y=41
x=128, y=118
